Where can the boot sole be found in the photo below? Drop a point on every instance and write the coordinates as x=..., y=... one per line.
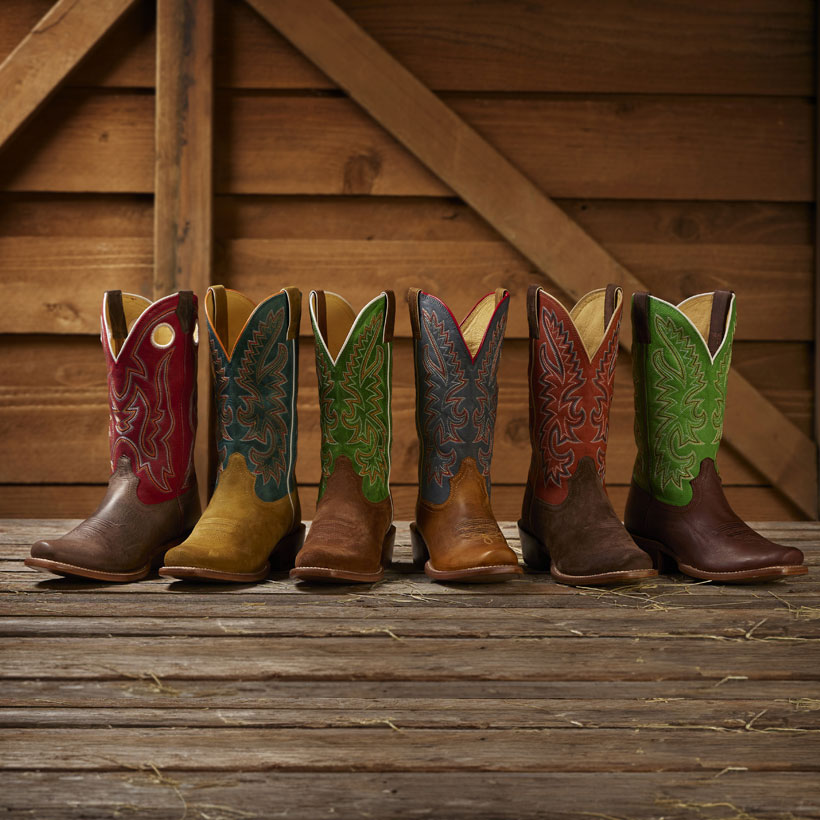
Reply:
x=536, y=556
x=665, y=562
x=472, y=575
x=282, y=558
x=63, y=570
x=329, y=575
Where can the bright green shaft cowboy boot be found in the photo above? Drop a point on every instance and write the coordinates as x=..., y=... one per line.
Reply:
x=676, y=508
x=253, y=521
x=351, y=535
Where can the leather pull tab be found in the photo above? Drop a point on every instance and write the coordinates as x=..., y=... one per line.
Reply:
x=219, y=320
x=321, y=313
x=389, y=316
x=413, y=303
x=116, y=318
x=532, y=310
x=186, y=311
x=610, y=303
x=640, y=318
x=721, y=299
x=295, y=306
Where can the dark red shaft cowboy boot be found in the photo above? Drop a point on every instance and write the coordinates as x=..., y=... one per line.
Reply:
x=567, y=523
x=152, y=499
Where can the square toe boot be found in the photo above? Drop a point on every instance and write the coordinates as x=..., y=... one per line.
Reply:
x=455, y=534
x=351, y=535
x=253, y=522
x=152, y=499
x=676, y=509
x=567, y=522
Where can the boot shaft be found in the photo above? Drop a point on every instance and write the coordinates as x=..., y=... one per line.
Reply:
x=681, y=356
x=456, y=387
x=354, y=369
x=150, y=350
x=571, y=375
x=255, y=359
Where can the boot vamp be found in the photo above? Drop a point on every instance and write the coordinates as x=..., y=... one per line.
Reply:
x=238, y=531
x=706, y=533
x=123, y=534
x=582, y=534
x=462, y=533
x=348, y=530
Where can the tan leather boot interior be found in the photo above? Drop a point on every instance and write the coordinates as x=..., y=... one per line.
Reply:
x=133, y=306
x=588, y=317
x=339, y=318
x=475, y=324
x=699, y=311
x=228, y=312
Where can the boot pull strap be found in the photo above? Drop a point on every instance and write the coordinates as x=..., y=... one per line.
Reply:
x=116, y=318
x=321, y=314
x=295, y=305
x=413, y=302
x=532, y=309
x=640, y=317
x=186, y=310
x=389, y=316
x=220, y=317
x=717, y=322
x=610, y=300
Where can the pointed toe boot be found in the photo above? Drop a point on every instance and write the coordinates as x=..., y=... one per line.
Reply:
x=567, y=523
x=351, y=535
x=152, y=500
x=455, y=535
x=253, y=522
x=676, y=509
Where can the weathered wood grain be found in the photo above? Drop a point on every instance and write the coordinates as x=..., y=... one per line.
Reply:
x=632, y=148
x=385, y=749
x=460, y=796
x=55, y=45
x=556, y=46
x=384, y=658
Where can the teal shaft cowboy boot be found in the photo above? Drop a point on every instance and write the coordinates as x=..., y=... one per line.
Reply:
x=253, y=521
x=351, y=535
x=676, y=509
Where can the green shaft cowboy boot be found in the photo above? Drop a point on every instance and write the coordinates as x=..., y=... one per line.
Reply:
x=253, y=521
x=351, y=535
x=676, y=509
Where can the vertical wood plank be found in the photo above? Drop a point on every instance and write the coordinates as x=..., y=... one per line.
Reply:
x=817, y=244
x=519, y=211
x=183, y=199
x=44, y=58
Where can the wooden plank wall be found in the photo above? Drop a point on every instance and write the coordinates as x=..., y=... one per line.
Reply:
x=680, y=136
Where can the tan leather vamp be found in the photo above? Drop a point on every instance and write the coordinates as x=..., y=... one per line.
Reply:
x=123, y=534
x=237, y=531
x=347, y=531
x=462, y=532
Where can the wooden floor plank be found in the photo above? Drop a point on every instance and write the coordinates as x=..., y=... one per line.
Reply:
x=165, y=795
x=423, y=750
x=386, y=658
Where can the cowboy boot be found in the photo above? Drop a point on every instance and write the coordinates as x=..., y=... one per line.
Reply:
x=253, y=522
x=455, y=534
x=676, y=509
x=567, y=523
x=351, y=535
x=152, y=498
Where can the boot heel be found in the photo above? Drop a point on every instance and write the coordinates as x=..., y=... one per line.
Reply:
x=420, y=552
x=387, y=547
x=654, y=549
x=284, y=554
x=534, y=552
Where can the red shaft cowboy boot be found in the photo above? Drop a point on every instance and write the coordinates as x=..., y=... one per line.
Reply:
x=152, y=499
x=567, y=523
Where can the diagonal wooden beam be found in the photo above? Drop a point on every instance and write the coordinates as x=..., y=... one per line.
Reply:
x=183, y=180
x=48, y=53
x=519, y=211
